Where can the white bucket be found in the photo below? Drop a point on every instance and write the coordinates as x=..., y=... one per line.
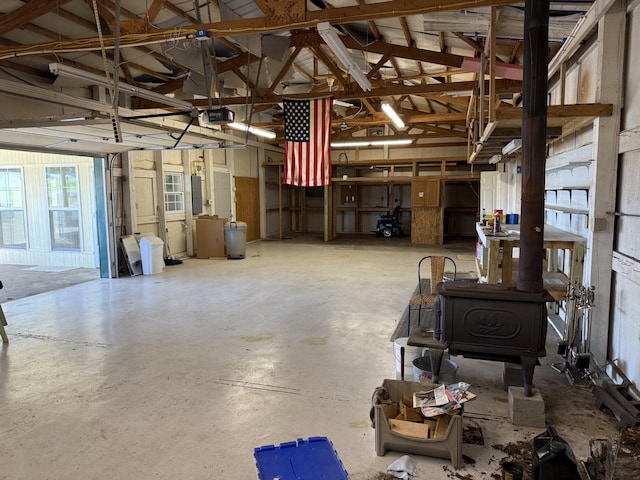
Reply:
x=410, y=354
x=422, y=371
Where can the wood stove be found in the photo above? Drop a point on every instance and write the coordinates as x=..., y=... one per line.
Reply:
x=493, y=322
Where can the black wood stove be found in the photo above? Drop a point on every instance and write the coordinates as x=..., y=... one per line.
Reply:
x=493, y=322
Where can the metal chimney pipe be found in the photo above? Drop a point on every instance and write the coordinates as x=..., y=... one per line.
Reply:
x=534, y=140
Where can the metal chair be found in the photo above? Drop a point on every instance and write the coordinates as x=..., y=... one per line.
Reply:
x=426, y=298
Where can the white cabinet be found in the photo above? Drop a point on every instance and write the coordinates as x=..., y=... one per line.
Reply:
x=494, y=191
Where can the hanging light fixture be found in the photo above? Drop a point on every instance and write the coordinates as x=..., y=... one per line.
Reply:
x=391, y=113
x=92, y=79
x=255, y=130
x=330, y=36
x=371, y=143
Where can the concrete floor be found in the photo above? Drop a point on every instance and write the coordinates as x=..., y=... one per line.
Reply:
x=182, y=374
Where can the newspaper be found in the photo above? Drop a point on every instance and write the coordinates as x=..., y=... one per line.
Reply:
x=442, y=399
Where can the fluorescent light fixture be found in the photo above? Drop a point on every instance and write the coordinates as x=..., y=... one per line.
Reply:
x=71, y=72
x=512, y=147
x=212, y=146
x=340, y=103
x=391, y=113
x=332, y=39
x=255, y=130
x=372, y=143
x=495, y=159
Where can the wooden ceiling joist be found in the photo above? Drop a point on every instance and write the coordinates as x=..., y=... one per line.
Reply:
x=340, y=15
x=28, y=12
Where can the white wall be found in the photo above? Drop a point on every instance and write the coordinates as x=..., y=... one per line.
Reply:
x=625, y=327
x=38, y=251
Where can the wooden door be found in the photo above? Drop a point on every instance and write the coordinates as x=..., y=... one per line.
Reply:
x=248, y=205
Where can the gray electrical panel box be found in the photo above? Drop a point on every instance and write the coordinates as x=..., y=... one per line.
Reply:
x=196, y=194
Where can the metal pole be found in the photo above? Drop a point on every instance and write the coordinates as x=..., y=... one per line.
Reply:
x=534, y=136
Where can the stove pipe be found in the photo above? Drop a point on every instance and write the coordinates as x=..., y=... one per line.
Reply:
x=534, y=139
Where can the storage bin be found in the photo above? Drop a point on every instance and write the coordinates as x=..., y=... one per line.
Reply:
x=449, y=446
x=563, y=198
x=151, y=252
x=312, y=458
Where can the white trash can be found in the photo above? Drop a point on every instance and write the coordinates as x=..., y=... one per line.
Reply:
x=235, y=238
x=152, y=253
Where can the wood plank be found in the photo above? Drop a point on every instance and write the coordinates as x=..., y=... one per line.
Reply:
x=390, y=409
x=577, y=263
x=28, y=12
x=441, y=426
x=561, y=111
x=426, y=226
x=411, y=414
x=494, y=258
x=432, y=426
x=507, y=263
x=409, y=429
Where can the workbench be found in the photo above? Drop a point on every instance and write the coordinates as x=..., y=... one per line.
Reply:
x=497, y=270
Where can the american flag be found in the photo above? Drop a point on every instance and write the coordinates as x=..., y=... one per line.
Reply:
x=307, y=146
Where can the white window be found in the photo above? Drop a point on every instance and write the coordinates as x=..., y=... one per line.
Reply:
x=64, y=207
x=12, y=215
x=173, y=192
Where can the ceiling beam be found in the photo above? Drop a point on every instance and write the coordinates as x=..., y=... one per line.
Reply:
x=28, y=12
x=561, y=111
x=372, y=11
x=354, y=91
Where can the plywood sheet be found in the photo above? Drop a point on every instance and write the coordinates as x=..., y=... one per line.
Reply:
x=426, y=226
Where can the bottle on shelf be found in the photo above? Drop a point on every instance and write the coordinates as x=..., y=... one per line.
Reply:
x=483, y=217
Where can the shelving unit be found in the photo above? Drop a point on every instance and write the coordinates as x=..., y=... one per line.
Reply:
x=361, y=201
x=567, y=178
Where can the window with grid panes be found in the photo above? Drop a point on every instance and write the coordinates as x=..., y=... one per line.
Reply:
x=173, y=192
x=13, y=232
x=64, y=207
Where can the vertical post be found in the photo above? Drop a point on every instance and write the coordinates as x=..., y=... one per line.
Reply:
x=280, y=202
x=534, y=136
x=604, y=174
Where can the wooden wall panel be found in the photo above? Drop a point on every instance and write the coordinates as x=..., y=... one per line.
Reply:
x=426, y=226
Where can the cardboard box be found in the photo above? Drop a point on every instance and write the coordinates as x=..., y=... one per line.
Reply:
x=210, y=236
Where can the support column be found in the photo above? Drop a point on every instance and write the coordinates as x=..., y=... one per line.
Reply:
x=611, y=52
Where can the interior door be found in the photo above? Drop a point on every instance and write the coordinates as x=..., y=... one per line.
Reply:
x=248, y=205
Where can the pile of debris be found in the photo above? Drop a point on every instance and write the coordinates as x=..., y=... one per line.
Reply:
x=615, y=459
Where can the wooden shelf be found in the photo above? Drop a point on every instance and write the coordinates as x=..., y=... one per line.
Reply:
x=560, y=208
x=568, y=165
x=569, y=187
x=461, y=209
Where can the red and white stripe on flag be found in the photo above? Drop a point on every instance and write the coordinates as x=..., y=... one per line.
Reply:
x=307, y=147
